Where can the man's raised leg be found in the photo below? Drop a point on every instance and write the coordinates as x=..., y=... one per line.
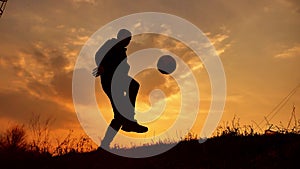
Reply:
x=131, y=124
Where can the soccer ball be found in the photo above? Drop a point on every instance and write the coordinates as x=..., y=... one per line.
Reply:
x=166, y=64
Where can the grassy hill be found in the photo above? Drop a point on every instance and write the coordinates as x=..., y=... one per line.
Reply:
x=226, y=151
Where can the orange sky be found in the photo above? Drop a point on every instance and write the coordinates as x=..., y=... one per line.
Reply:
x=257, y=41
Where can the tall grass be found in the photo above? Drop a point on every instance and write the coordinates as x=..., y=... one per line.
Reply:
x=36, y=138
x=16, y=138
x=13, y=139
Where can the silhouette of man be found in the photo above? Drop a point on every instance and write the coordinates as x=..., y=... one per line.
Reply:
x=120, y=88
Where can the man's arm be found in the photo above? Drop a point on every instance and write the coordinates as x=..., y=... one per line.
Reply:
x=98, y=71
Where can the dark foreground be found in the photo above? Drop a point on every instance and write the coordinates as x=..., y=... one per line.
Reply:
x=261, y=151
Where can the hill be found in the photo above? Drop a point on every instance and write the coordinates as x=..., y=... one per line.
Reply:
x=244, y=152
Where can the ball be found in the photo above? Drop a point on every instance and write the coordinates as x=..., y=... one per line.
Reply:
x=166, y=64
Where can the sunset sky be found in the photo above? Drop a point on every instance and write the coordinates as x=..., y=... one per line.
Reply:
x=258, y=43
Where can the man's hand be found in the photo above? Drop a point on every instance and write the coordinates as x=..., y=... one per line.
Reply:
x=98, y=71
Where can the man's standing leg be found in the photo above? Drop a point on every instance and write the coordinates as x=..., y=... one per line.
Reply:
x=111, y=132
x=114, y=125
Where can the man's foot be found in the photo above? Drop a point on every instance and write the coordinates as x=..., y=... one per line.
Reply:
x=103, y=147
x=134, y=127
x=100, y=149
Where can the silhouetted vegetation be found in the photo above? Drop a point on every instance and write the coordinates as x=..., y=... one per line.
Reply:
x=233, y=146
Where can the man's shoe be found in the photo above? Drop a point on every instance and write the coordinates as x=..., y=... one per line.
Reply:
x=134, y=127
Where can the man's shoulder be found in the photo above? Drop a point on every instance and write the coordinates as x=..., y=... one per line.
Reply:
x=106, y=46
x=110, y=42
x=104, y=49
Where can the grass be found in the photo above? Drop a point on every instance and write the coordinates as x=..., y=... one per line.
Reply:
x=233, y=146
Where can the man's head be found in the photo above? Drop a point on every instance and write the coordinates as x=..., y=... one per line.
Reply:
x=124, y=36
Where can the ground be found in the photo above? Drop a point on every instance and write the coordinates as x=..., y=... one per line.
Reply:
x=258, y=151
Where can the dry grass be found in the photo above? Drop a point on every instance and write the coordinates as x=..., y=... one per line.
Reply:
x=232, y=146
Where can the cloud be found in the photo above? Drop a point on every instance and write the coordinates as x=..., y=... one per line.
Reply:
x=158, y=81
x=38, y=83
x=289, y=53
x=85, y=1
x=221, y=40
x=23, y=104
x=42, y=71
x=165, y=43
x=293, y=4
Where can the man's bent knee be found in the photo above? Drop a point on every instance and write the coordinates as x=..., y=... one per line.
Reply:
x=115, y=124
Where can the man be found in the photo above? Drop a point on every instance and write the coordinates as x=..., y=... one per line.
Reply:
x=120, y=88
